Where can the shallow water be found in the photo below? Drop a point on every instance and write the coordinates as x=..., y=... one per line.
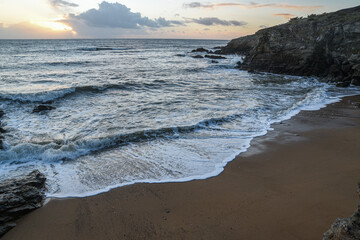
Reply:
x=135, y=111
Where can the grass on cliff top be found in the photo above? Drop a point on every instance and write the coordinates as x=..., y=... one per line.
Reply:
x=330, y=18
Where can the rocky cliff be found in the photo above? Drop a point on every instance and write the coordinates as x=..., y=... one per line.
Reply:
x=326, y=45
x=18, y=197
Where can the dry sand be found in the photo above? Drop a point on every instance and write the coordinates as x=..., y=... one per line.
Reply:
x=291, y=184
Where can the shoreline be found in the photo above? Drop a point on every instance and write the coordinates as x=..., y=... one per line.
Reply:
x=221, y=166
x=231, y=204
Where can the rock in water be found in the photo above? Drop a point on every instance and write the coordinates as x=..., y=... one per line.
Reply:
x=345, y=228
x=18, y=197
x=326, y=45
x=200, y=50
x=41, y=108
x=215, y=57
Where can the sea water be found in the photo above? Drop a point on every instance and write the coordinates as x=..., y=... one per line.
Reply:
x=132, y=111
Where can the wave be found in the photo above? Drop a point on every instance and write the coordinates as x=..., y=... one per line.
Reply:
x=61, y=63
x=52, y=95
x=71, y=149
x=102, y=49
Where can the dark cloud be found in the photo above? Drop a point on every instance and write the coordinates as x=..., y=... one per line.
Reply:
x=116, y=15
x=250, y=5
x=162, y=22
x=216, y=21
x=62, y=3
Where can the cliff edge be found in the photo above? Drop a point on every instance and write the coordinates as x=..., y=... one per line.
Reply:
x=326, y=45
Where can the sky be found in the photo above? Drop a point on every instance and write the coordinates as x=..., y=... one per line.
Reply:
x=194, y=19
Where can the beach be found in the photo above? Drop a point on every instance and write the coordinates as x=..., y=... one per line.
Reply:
x=291, y=184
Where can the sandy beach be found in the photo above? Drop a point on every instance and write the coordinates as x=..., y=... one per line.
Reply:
x=291, y=184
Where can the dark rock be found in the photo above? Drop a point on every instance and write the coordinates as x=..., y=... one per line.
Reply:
x=325, y=45
x=200, y=50
x=18, y=197
x=2, y=130
x=213, y=61
x=218, y=47
x=180, y=55
x=346, y=228
x=343, y=84
x=356, y=81
x=1, y=144
x=41, y=108
x=1, y=113
x=215, y=57
x=197, y=56
x=356, y=69
x=346, y=68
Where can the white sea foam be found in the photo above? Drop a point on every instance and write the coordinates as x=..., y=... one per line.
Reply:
x=127, y=118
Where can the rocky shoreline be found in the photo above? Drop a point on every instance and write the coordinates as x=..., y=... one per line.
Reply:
x=18, y=197
x=325, y=46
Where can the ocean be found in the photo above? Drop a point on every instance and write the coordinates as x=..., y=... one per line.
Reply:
x=129, y=111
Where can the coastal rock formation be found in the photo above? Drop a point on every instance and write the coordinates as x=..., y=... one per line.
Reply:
x=215, y=57
x=18, y=197
x=200, y=50
x=326, y=45
x=41, y=108
x=346, y=228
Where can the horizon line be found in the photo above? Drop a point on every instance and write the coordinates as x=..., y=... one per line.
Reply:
x=209, y=39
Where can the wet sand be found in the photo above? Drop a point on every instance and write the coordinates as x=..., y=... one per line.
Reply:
x=291, y=184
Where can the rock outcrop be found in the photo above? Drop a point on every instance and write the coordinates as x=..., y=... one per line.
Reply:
x=326, y=45
x=42, y=108
x=345, y=228
x=200, y=50
x=18, y=197
x=215, y=57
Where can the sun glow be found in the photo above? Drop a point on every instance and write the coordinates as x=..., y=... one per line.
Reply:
x=56, y=26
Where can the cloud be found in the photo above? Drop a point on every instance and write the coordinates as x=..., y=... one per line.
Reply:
x=27, y=30
x=62, y=3
x=116, y=15
x=209, y=21
x=162, y=22
x=251, y=5
x=285, y=15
